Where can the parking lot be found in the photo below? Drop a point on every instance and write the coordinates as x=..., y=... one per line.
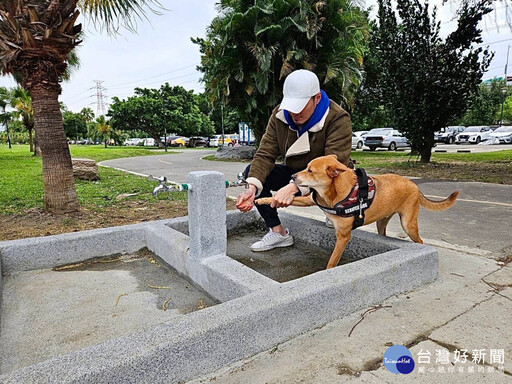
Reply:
x=455, y=148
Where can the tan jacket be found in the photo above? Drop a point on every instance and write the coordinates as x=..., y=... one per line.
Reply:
x=331, y=135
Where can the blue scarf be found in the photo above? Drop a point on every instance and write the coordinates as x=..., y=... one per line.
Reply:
x=319, y=112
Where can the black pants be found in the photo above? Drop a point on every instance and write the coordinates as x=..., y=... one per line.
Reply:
x=278, y=178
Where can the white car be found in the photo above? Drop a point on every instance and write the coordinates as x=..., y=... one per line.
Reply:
x=358, y=139
x=474, y=134
x=149, y=142
x=133, y=141
x=502, y=134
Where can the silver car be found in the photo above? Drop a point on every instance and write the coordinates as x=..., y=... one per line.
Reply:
x=385, y=138
x=358, y=139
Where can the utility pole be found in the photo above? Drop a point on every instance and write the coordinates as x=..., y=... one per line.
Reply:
x=100, y=98
x=504, y=90
x=222, y=120
x=165, y=123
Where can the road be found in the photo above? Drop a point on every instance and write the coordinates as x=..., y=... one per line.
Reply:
x=480, y=220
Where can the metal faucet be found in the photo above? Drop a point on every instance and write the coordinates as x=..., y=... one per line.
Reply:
x=162, y=186
x=240, y=180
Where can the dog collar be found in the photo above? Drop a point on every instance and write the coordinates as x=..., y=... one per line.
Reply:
x=358, y=200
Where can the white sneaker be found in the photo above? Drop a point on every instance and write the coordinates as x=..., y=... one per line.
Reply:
x=273, y=240
x=328, y=223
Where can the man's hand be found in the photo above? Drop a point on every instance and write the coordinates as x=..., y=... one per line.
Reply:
x=245, y=200
x=285, y=196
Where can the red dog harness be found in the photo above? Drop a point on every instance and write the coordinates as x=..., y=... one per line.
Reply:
x=358, y=200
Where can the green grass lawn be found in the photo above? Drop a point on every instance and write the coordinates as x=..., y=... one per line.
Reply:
x=390, y=159
x=489, y=167
x=21, y=184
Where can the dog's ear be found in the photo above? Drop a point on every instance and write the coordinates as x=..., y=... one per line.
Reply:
x=334, y=155
x=334, y=170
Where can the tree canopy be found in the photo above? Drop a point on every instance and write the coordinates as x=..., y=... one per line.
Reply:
x=75, y=126
x=427, y=82
x=252, y=46
x=150, y=110
x=486, y=105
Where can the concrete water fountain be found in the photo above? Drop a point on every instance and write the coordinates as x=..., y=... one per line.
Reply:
x=241, y=307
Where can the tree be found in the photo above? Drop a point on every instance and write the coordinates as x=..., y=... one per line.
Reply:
x=427, y=82
x=5, y=116
x=253, y=45
x=87, y=114
x=485, y=108
x=104, y=129
x=368, y=111
x=36, y=40
x=507, y=110
x=150, y=110
x=21, y=100
x=75, y=126
x=230, y=117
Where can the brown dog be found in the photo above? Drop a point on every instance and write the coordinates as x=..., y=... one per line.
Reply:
x=333, y=181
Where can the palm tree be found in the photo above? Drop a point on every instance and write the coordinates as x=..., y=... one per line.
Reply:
x=104, y=129
x=21, y=100
x=252, y=46
x=87, y=114
x=36, y=40
x=5, y=116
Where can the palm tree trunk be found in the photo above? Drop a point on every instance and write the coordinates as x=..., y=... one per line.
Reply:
x=30, y=140
x=59, y=185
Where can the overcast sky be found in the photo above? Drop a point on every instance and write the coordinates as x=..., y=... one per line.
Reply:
x=161, y=51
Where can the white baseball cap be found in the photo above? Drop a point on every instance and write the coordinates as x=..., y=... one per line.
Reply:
x=299, y=87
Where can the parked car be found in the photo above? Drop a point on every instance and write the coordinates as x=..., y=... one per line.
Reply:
x=85, y=142
x=233, y=140
x=449, y=134
x=502, y=134
x=358, y=139
x=133, y=141
x=179, y=141
x=149, y=142
x=216, y=140
x=385, y=138
x=474, y=134
x=169, y=139
x=197, y=141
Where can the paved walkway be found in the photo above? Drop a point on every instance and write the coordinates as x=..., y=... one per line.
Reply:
x=468, y=308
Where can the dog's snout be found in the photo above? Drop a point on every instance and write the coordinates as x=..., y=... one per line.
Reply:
x=294, y=176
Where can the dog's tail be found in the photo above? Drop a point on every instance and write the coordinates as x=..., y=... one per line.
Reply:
x=432, y=205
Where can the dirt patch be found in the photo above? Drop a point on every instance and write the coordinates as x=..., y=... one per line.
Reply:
x=36, y=222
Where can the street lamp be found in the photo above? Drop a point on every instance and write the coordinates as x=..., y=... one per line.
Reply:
x=504, y=92
x=222, y=120
x=165, y=123
x=504, y=89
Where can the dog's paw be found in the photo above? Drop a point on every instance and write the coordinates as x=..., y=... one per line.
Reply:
x=264, y=201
